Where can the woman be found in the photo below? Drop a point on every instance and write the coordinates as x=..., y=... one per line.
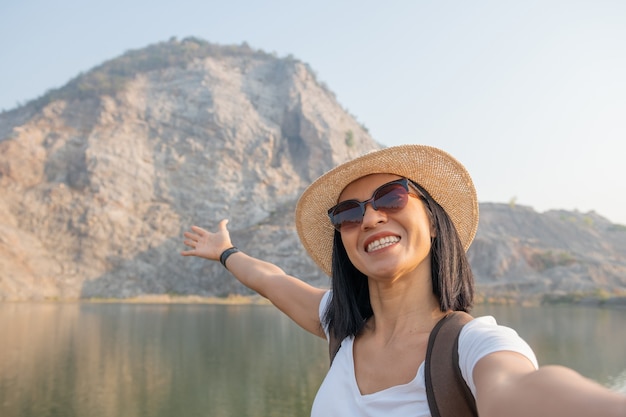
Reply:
x=391, y=228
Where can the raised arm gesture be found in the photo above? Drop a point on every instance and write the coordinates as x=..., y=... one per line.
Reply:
x=299, y=300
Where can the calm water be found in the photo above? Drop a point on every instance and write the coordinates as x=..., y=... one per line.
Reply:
x=204, y=360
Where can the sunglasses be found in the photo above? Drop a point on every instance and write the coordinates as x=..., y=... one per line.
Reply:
x=390, y=198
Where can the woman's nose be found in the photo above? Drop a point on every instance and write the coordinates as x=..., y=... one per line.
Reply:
x=372, y=217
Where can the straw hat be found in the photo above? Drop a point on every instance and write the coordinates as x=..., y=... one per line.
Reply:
x=445, y=179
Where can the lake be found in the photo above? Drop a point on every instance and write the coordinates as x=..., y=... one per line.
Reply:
x=97, y=360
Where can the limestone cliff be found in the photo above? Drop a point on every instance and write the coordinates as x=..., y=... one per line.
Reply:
x=100, y=178
x=520, y=254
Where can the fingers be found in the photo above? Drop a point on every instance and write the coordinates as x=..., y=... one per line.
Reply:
x=222, y=225
x=191, y=243
x=204, y=243
x=200, y=231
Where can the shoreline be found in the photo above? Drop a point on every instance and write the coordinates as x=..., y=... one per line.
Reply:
x=618, y=302
x=151, y=299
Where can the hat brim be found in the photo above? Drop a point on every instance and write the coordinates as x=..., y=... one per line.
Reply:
x=445, y=179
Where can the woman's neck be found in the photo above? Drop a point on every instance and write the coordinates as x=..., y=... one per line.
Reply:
x=403, y=306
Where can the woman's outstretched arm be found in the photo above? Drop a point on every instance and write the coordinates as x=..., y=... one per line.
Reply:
x=507, y=384
x=299, y=300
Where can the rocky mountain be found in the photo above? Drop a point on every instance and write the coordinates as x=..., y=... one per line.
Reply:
x=519, y=254
x=100, y=178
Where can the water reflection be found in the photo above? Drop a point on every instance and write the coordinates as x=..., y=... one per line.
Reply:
x=202, y=360
x=589, y=340
x=161, y=360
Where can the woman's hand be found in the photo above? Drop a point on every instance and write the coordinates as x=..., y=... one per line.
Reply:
x=205, y=244
x=299, y=300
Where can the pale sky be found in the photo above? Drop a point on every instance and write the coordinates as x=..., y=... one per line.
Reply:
x=529, y=95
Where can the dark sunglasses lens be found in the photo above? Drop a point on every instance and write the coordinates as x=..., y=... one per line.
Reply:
x=346, y=214
x=392, y=197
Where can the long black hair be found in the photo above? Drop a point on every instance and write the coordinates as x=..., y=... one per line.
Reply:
x=452, y=278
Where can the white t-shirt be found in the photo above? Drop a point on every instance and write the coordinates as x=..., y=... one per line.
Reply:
x=339, y=394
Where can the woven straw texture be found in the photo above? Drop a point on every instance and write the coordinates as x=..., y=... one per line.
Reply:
x=445, y=179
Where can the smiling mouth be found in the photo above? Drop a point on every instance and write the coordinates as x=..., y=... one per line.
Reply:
x=382, y=243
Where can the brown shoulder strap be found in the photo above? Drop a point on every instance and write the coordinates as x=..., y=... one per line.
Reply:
x=448, y=394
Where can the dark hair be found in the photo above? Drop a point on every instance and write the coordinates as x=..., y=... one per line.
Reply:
x=452, y=278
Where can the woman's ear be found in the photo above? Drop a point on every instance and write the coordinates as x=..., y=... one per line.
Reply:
x=433, y=231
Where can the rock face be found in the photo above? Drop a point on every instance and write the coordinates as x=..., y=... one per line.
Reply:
x=519, y=253
x=100, y=178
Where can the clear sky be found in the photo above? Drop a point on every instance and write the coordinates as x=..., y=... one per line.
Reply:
x=529, y=95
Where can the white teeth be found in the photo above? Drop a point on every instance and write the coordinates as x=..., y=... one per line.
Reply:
x=382, y=243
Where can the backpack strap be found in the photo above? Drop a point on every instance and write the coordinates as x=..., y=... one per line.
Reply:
x=448, y=394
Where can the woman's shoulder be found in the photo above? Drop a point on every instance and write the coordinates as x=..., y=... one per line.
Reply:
x=485, y=332
x=325, y=301
x=483, y=336
x=322, y=310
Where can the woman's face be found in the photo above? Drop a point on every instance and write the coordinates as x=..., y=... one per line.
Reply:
x=385, y=245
